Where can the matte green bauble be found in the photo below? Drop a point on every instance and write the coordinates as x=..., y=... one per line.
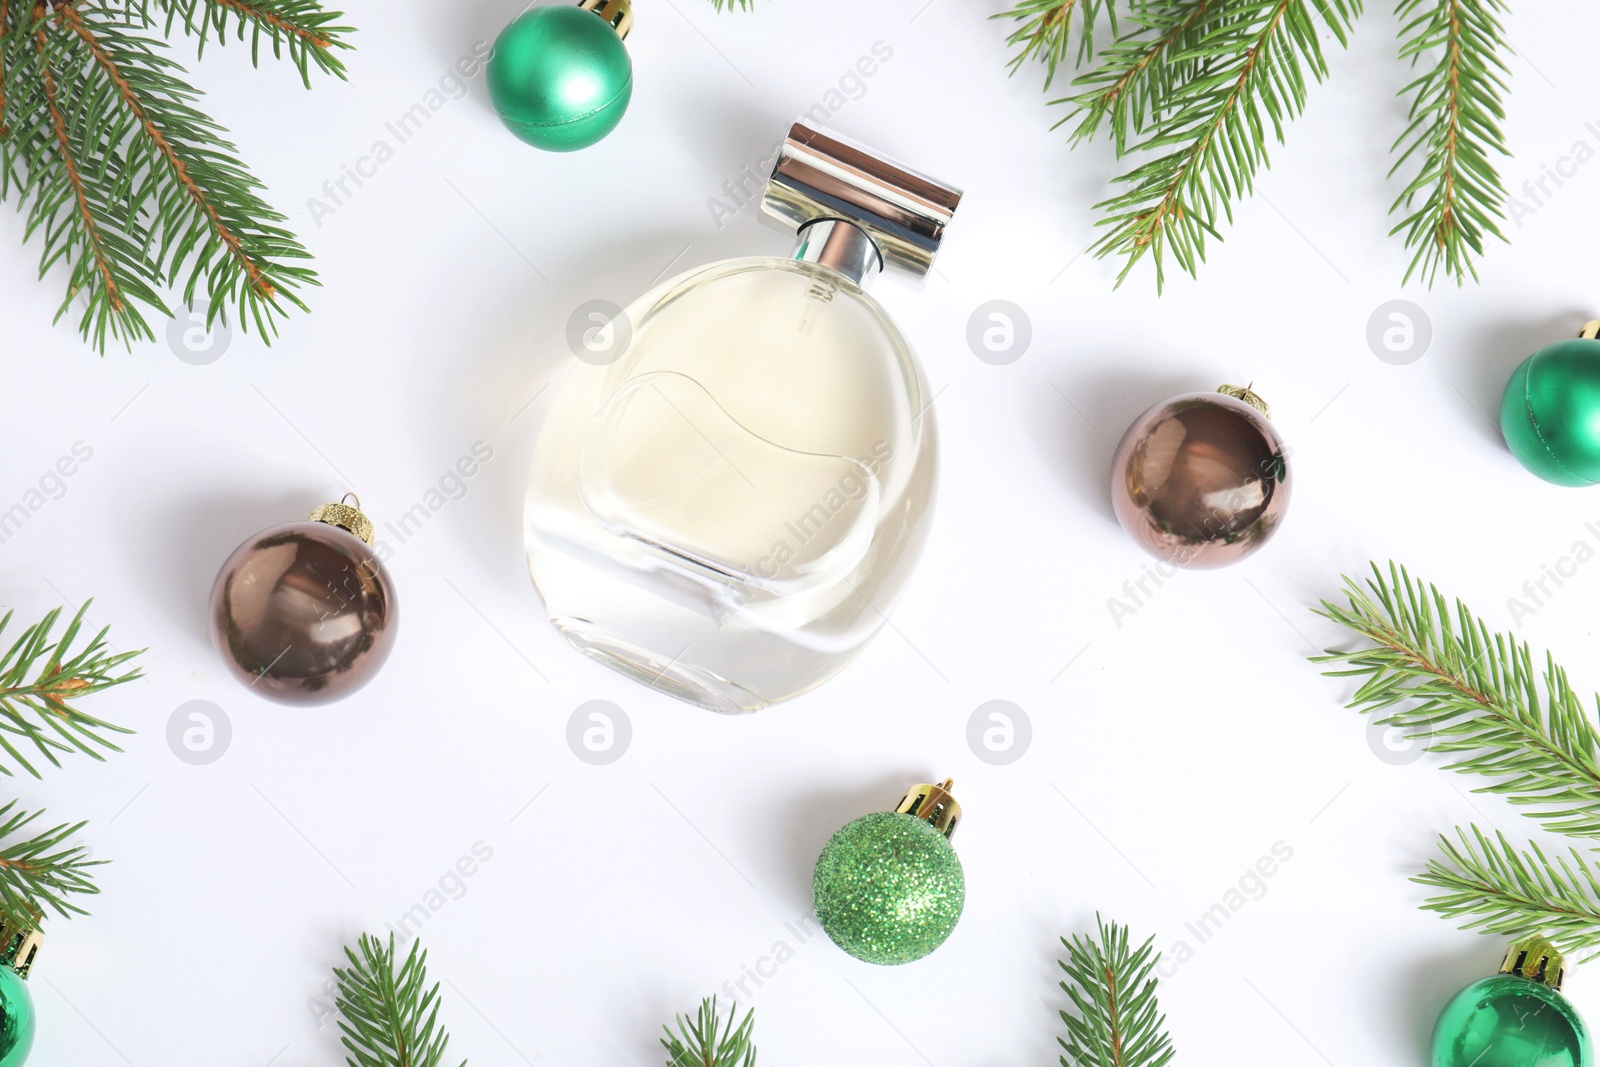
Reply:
x=560, y=77
x=888, y=887
x=16, y=1019
x=1550, y=414
x=1517, y=1018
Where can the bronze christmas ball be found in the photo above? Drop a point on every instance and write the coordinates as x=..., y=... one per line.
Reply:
x=1202, y=480
x=305, y=613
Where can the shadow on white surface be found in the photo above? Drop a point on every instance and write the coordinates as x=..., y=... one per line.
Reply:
x=1109, y=402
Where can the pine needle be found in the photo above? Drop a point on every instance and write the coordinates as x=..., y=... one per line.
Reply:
x=390, y=1015
x=41, y=679
x=1140, y=72
x=126, y=183
x=309, y=35
x=707, y=1041
x=40, y=874
x=1115, y=1021
x=1517, y=893
x=1208, y=138
x=1456, y=113
x=1444, y=680
x=1045, y=33
x=1200, y=89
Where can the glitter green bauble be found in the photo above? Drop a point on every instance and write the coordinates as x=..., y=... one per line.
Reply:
x=560, y=77
x=888, y=888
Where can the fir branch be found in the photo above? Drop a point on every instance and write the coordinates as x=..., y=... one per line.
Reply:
x=1452, y=685
x=132, y=187
x=390, y=1018
x=305, y=31
x=1046, y=34
x=52, y=155
x=1212, y=129
x=5, y=31
x=1141, y=69
x=1116, y=1020
x=91, y=229
x=212, y=219
x=1455, y=127
x=729, y=5
x=706, y=1041
x=38, y=712
x=1502, y=890
x=38, y=874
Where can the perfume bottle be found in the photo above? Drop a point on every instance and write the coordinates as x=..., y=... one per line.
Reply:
x=727, y=506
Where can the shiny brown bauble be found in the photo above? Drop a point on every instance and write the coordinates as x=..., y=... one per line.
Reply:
x=304, y=613
x=1201, y=481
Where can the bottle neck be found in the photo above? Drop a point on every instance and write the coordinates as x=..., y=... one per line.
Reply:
x=840, y=245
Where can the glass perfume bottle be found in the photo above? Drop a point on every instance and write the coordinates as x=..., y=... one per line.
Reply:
x=727, y=505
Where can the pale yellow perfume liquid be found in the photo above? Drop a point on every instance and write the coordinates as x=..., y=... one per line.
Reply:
x=728, y=511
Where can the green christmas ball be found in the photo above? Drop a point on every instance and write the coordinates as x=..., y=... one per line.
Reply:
x=1510, y=1021
x=1550, y=413
x=16, y=1019
x=560, y=77
x=888, y=888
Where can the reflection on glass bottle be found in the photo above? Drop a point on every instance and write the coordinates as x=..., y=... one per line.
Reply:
x=728, y=510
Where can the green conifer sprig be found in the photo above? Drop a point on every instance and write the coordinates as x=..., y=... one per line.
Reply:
x=1139, y=73
x=1439, y=675
x=1456, y=197
x=1442, y=678
x=1115, y=1019
x=1197, y=91
x=42, y=872
x=1046, y=33
x=1501, y=889
x=301, y=29
x=708, y=1041
x=1209, y=136
x=42, y=678
x=390, y=1013
x=124, y=181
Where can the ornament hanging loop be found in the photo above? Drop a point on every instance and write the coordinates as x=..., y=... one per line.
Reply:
x=618, y=13
x=1536, y=959
x=933, y=804
x=347, y=518
x=1248, y=395
x=19, y=943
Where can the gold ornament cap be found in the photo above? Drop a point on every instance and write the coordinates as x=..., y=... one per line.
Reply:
x=1248, y=395
x=1590, y=331
x=347, y=518
x=19, y=944
x=617, y=13
x=933, y=804
x=1537, y=959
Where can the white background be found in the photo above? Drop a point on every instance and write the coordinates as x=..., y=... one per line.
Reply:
x=1168, y=754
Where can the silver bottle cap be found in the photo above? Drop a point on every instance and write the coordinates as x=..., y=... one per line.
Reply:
x=821, y=176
